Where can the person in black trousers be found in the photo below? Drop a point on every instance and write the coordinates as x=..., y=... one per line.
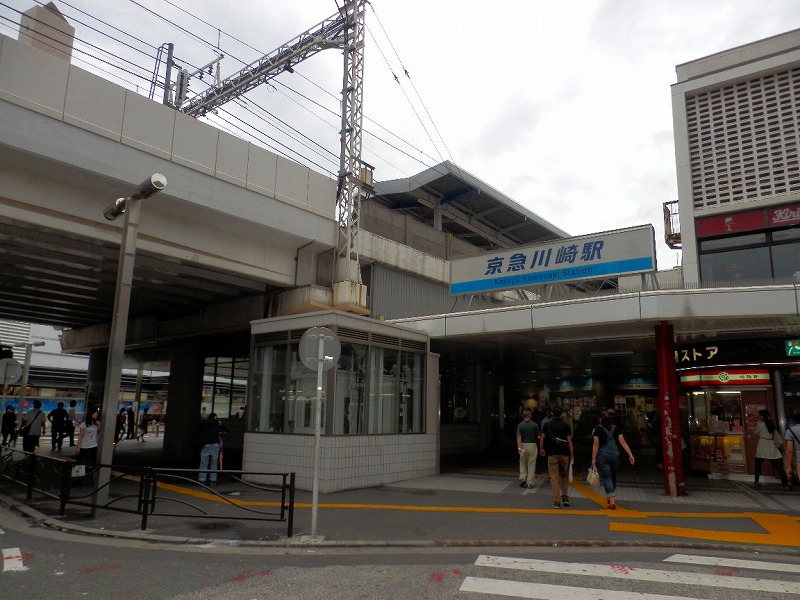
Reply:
x=9, y=426
x=58, y=421
x=131, y=433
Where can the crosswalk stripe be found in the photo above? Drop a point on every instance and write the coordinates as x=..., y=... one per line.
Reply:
x=543, y=591
x=634, y=573
x=716, y=561
x=12, y=560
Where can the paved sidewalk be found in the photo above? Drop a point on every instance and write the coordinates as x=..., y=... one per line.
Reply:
x=474, y=506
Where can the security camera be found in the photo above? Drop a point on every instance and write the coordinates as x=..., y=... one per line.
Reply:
x=155, y=183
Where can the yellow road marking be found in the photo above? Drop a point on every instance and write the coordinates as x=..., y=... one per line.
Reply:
x=780, y=530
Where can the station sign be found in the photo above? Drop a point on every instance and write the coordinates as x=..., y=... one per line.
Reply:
x=626, y=251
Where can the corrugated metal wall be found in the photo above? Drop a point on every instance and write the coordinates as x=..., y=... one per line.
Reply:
x=12, y=332
x=396, y=295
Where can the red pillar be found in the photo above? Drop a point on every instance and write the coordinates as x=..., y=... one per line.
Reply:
x=674, y=482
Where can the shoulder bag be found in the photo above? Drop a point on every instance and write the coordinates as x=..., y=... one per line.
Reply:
x=777, y=439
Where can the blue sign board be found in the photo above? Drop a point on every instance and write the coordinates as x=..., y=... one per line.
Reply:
x=597, y=256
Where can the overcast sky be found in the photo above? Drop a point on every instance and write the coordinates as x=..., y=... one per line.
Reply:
x=563, y=106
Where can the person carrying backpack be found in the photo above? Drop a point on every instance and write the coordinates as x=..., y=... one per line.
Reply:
x=606, y=442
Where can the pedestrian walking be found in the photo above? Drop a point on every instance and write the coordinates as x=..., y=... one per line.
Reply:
x=210, y=440
x=119, y=426
x=31, y=429
x=767, y=450
x=58, y=424
x=144, y=421
x=791, y=446
x=557, y=445
x=131, y=423
x=9, y=426
x=88, y=437
x=72, y=422
x=528, y=437
x=607, y=439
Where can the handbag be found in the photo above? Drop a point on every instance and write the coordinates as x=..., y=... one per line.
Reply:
x=593, y=477
x=569, y=475
x=777, y=439
x=78, y=470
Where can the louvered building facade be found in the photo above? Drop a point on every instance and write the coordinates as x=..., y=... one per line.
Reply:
x=737, y=123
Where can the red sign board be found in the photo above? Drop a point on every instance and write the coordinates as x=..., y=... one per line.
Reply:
x=754, y=220
x=735, y=377
x=732, y=223
x=781, y=216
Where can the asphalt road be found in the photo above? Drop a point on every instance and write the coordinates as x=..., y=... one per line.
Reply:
x=41, y=562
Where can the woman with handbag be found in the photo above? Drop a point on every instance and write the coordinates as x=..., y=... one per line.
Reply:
x=766, y=449
x=605, y=455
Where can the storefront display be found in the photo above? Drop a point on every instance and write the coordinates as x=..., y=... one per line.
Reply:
x=722, y=417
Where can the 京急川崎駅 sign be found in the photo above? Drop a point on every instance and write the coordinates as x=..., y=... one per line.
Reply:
x=607, y=254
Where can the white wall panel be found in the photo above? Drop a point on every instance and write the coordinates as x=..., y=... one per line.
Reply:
x=45, y=93
x=517, y=318
x=720, y=303
x=232, y=157
x=194, y=144
x=596, y=310
x=321, y=194
x=291, y=182
x=94, y=105
x=148, y=126
x=261, y=169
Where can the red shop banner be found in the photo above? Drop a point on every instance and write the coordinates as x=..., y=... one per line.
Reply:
x=781, y=216
x=736, y=377
x=732, y=223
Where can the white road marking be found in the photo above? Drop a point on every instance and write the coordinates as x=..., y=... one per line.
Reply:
x=12, y=560
x=542, y=591
x=715, y=561
x=636, y=574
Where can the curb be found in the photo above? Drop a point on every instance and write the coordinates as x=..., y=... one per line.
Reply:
x=307, y=542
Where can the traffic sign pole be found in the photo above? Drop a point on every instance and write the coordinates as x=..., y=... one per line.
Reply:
x=317, y=429
x=319, y=350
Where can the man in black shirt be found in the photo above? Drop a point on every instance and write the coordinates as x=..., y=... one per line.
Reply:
x=58, y=418
x=557, y=442
x=210, y=438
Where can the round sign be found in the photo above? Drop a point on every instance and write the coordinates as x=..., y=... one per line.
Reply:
x=10, y=370
x=310, y=348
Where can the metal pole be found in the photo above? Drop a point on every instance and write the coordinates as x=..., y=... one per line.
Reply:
x=26, y=367
x=5, y=374
x=317, y=419
x=116, y=352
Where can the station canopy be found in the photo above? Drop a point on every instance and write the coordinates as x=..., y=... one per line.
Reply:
x=471, y=209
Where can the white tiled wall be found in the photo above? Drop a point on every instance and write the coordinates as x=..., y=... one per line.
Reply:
x=346, y=462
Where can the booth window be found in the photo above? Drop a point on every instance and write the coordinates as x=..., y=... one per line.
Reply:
x=373, y=390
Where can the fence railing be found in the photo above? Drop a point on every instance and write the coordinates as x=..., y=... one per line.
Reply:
x=149, y=491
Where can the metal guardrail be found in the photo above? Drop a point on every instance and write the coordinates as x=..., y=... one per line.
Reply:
x=145, y=490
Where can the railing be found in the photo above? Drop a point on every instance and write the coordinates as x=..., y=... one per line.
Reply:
x=148, y=491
